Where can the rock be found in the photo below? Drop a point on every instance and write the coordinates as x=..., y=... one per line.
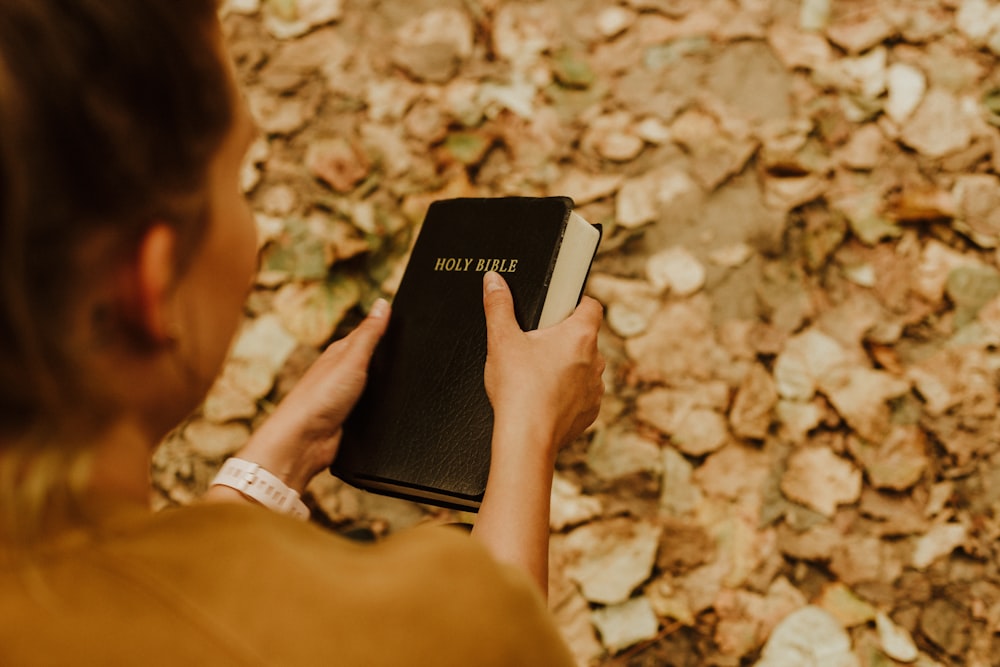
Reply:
x=736, y=471
x=970, y=288
x=679, y=344
x=895, y=640
x=939, y=382
x=684, y=546
x=612, y=21
x=865, y=149
x=977, y=19
x=900, y=515
x=620, y=146
x=518, y=96
x=753, y=406
x=939, y=126
x=820, y=480
x=215, y=441
x=666, y=408
x=641, y=199
x=809, y=637
x=338, y=163
x=844, y=605
x=731, y=256
x=389, y=99
x=906, y=86
x=630, y=317
x=279, y=115
x=978, y=208
x=584, y=188
x=572, y=614
x=286, y=19
x=860, y=30
x=860, y=396
x=250, y=174
x=797, y=419
x=467, y=148
x=228, y=400
x=431, y=47
x=570, y=506
x=617, y=452
x=863, y=76
x=625, y=624
x=426, y=122
x=312, y=312
x=897, y=462
x=613, y=138
x=744, y=76
x=790, y=192
x=280, y=200
x=815, y=543
x=571, y=69
x=814, y=14
x=945, y=624
x=265, y=342
x=937, y=262
x=652, y=130
x=715, y=155
x=863, y=210
x=629, y=304
x=612, y=557
x=799, y=49
x=680, y=495
x=939, y=541
x=699, y=432
x=669, y=602
x=675, y=269
x=806, y=359
x=858, y=559
x=387, y=145
x=746, y=618
x=521, y=32
x=247, y=7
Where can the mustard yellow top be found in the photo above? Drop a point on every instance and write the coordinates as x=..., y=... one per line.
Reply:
x=231, y=584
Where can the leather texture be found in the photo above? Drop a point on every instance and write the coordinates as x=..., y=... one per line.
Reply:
x=422, y=428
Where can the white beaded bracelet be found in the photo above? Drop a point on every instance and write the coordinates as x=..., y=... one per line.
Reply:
x=255, y=482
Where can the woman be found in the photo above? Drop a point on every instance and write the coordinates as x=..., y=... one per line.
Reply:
x=127, y=250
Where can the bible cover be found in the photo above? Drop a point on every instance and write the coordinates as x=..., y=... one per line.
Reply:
x=422, y=428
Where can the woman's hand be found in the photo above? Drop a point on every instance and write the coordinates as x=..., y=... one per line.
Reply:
x=301, y=438
x=550, y=378
x=545, y=387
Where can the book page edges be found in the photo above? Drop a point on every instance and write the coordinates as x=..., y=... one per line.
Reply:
x=415, y=494
x=572, y=265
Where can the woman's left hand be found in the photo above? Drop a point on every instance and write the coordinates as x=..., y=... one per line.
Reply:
x=302, y=435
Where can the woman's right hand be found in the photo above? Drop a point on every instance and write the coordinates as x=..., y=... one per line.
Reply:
x=548, y=378
x=545, y=387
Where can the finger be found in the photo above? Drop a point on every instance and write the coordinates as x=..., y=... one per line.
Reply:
x=589, y=310
x=499, y=307
x=364, y=338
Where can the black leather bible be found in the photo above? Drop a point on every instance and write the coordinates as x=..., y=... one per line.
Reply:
x=423, y=425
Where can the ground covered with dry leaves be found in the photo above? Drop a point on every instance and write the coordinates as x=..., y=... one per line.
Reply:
x=798, y=461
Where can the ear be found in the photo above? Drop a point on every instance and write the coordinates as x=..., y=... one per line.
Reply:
x=153, y=280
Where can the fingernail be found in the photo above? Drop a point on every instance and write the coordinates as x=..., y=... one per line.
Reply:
x=379, y=308
x=491, y=282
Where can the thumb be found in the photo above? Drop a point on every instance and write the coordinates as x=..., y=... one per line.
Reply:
x=499, y=307
x=365, y=337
